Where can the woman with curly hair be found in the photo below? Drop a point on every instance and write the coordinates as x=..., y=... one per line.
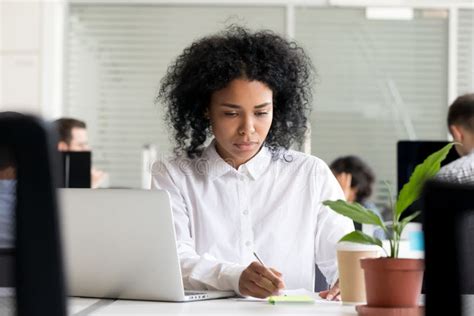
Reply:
x=236, y=102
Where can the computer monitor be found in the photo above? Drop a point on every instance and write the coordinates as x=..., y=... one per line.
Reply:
x=448, y=224
x=76, y=169
x=409, y=155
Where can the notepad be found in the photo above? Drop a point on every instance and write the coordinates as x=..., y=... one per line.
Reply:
x=290, y=299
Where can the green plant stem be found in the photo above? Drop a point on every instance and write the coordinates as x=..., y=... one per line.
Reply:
x=395, y=245
x=391, y=247
x=393, y=242
x=395, y=237
x=396, y=240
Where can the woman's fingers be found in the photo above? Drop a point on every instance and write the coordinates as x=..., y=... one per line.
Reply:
x=259, y=281
x=333, y=294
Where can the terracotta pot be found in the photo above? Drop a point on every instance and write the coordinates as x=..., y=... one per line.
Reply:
x=393, y=282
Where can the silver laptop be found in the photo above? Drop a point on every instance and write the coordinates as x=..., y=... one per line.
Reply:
x=121, y=244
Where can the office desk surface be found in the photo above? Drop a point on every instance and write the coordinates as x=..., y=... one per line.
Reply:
x=211, y=307
x=84, y=306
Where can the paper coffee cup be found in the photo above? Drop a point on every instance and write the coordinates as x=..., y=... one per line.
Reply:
x=351, y=275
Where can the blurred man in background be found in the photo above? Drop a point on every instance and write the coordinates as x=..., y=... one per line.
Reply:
x=461, y=127
x=73, y=137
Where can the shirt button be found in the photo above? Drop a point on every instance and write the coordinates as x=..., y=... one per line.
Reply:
x=248, y=243
x=246, y=212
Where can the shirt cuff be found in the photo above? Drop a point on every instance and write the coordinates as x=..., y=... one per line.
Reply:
x=232, y=274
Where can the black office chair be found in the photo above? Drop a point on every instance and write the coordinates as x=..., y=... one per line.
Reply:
x=320, y=283
x=38, y=265
x=448, y=225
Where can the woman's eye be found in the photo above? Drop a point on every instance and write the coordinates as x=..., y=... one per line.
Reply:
x=230, y=113
x=261, y=113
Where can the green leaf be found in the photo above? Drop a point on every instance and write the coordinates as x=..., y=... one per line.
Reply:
x=355, y=211
x=408, y=219
x=361, y=238
x=427, y=169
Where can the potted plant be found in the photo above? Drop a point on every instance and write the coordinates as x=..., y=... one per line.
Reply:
x=391, y=281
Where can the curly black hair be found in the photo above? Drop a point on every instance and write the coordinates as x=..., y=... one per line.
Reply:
x=211, y=63
x=362, y=175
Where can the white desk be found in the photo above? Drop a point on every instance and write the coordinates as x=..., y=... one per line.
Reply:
x=213, y=307
x=232, y=306
x=79, y=305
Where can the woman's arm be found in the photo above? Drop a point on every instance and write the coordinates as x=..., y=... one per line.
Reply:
x=199, y=271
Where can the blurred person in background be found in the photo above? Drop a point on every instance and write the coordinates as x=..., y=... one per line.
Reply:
x=356, y=179
x=7, y=197
x=461, y=127
x=73, y=137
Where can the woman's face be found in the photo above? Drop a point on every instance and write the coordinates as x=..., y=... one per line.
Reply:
x=241, y=116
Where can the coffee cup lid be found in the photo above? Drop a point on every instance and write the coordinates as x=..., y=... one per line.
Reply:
x=352, y=246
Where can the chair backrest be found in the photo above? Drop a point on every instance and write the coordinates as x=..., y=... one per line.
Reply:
x=320, y=283
x=38, y=261
x=7, y=257
x=448, y=225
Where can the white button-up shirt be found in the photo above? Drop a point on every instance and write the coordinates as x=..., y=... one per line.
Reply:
x=270, y=206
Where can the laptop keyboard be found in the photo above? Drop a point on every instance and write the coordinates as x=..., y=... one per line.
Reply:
x=193, y=293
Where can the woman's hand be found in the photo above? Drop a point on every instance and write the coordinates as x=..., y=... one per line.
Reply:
x=333, y=294
x=259, y=281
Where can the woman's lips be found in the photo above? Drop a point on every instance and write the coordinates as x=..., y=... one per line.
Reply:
x=246, y=146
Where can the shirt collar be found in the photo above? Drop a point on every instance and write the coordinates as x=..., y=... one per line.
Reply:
x=254, y=167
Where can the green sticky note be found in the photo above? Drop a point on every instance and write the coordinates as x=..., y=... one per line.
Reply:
x=290, y=299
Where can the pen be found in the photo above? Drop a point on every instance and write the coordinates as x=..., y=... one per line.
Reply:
x=259, y=260
x=263, y=264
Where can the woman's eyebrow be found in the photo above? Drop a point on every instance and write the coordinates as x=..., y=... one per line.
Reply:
x=235, y=106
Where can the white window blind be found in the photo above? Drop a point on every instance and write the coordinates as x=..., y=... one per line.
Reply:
x=117, y=54
x=380, y=81
x=465, y=51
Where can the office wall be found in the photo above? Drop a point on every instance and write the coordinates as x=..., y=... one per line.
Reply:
x=381, y=81
x=20, y=54
x=34, y=77
x=465, y=68
x=116, y=56
x=31, y=52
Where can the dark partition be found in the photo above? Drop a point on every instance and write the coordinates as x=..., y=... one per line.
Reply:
x=448, y=225
x=38, y=270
